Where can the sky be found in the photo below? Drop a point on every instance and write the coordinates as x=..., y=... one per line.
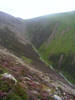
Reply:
x=27, y=9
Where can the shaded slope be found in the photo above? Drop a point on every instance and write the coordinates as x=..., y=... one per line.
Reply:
x=11, y=42
x=13, y=36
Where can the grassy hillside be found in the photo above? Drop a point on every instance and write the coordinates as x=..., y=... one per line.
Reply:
x=54, y=36
x=9, y=40
x=23, y=76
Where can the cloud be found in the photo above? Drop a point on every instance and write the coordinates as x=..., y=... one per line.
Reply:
x=33, y=8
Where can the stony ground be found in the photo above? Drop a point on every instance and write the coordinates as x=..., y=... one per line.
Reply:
x=30, y=84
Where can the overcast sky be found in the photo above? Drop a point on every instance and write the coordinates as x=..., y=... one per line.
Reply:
x=33, y=8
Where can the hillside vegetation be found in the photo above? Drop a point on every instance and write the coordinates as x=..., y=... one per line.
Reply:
x=54, y=37
x=23, y=75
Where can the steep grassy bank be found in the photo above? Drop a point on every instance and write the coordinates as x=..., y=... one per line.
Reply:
x=54, y=37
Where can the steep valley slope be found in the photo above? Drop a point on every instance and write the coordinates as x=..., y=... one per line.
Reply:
x=54, y=38
x=23, y=76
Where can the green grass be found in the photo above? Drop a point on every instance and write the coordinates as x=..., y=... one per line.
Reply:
x=69, y=77
x=27, y=59
x=60, y=43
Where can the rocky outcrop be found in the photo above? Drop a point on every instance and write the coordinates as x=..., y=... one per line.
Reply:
x=60, y=61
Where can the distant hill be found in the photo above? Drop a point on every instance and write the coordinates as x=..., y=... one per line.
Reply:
x=54, y=37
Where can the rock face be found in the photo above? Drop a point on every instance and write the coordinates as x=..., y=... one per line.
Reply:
x=60, y=61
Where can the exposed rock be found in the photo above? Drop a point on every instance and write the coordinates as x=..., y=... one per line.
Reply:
x=9, y=76
x=60, y=60
x=56, y=97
